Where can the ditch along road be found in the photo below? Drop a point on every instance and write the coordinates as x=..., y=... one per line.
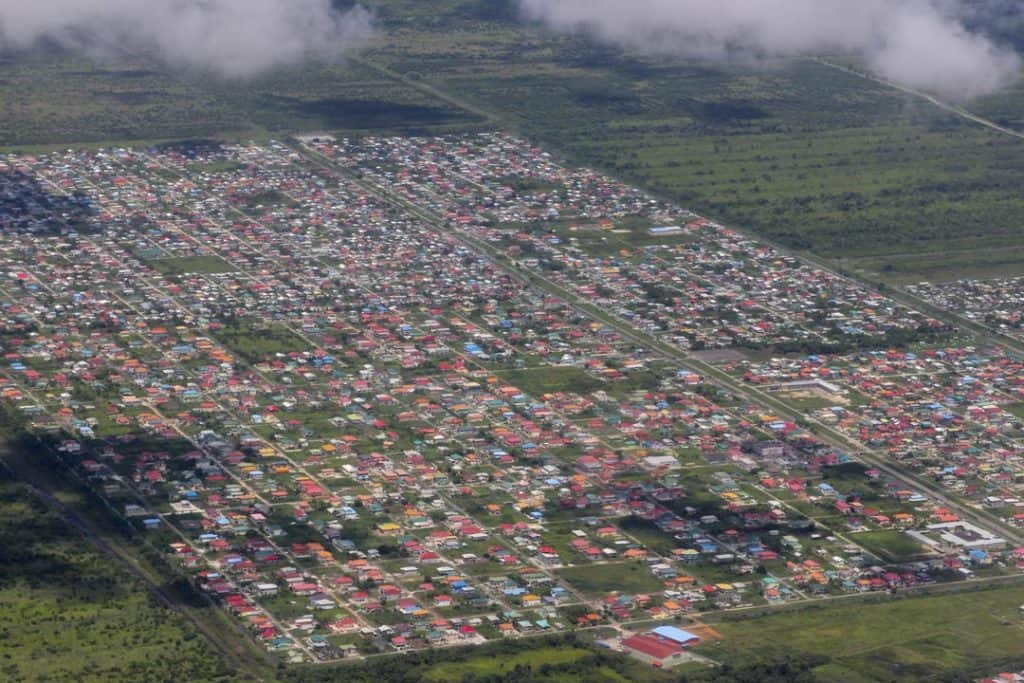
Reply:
x=674, y=354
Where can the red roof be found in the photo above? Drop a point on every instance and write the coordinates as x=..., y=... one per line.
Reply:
x=651, y=646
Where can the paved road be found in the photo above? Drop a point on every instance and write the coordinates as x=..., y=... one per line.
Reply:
x=667, y=351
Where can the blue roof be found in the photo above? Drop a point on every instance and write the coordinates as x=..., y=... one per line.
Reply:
x=675, y=634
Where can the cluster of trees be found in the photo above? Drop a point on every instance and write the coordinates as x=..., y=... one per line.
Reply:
x=896, y=338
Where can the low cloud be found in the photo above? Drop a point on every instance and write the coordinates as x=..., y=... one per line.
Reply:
x=917, y=43
x=235, y=38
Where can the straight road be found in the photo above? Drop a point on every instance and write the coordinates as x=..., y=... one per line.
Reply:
x=674, y=354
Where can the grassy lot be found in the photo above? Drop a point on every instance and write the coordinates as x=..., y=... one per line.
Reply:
x=808, y=403
x=547, y=380
x=647, y=533
x=893, y=546
x=912, y=639
x=1016, y=409
x=255, y=345
x=625, y=577
x=192, y=264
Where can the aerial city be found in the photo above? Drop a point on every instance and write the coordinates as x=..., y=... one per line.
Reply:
x=512, y=340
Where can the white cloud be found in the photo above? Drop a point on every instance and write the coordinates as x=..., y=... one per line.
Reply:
x=236, y=38
x=919, y=43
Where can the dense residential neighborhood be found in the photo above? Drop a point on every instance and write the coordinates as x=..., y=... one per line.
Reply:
x=389, y=394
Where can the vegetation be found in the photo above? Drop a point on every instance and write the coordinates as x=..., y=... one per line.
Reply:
x=626, y=577
x=549, y=380
x=72, y=615
x=255, y=345
x=892, y=546
x=948, y=637
x=482, y=666
x=191, y=264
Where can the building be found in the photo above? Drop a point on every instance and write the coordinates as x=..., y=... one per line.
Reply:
x=654, y=650
x=676, y=635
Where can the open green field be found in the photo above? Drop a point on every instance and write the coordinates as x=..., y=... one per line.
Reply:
x=254, y=345
x=598, y=579
x=451, y=672
x=192, y=264
x=548, y=380
x=891, y=546
x=913, y=639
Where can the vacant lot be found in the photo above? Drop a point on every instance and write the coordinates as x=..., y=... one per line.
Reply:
x=191, y=264
x=625, y=577
x=911, y=639
x=892, y=546
x=485, y=666
x=257, y=344
x=549, y=380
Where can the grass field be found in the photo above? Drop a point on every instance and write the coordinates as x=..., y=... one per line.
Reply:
x=912, y=639
x=547, y=380
x=192, y=264
x=452, y=672
x=625, y=577
x=254, y=345
x=1016, y=409
x=891, y=546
